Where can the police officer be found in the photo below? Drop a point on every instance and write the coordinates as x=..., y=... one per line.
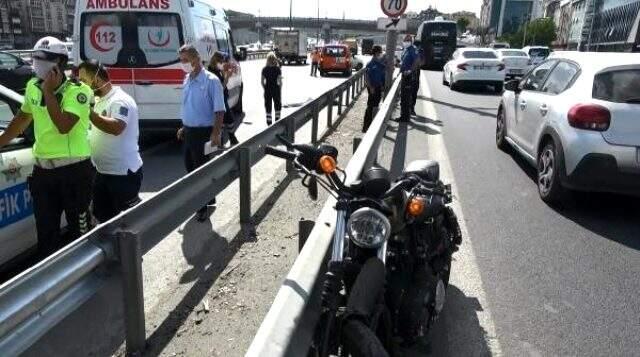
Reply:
x=416, y=77
x=407, y=87
x=62, y=175
x=375, y=83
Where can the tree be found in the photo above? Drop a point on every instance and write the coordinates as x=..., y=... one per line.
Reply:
x=539, y=32
x=483, y=34
x=462, y=22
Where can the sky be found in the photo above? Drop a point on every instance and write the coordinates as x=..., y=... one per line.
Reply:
x=352, y=9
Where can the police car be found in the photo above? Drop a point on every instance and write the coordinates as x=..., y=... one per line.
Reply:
x=17, y=224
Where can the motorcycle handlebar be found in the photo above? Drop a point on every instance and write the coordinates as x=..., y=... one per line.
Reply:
x=283, y=154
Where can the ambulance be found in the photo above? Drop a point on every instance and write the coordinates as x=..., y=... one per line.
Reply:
x=138, y=42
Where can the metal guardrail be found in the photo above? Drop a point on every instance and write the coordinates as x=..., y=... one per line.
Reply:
x=257, y=55
x=36, y=300
x=288, y=326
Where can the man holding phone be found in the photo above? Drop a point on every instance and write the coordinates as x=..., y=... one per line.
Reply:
x=62, y=175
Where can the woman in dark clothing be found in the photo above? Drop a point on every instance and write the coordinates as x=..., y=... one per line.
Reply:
x=272, y=84
x=217, y=67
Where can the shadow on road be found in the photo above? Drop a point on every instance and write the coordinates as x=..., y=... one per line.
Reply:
x=478, y=111
x=209, y=254
x=457, y=332
x=615, y=217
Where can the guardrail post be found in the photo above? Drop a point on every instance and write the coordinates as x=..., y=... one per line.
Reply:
x=314, y=124
x=304, y=231
x=353, y=90
x=346, y=99
x=244, y=165
x=290, y=134
x=340, y=103
x=132, y=291
x=332, y=97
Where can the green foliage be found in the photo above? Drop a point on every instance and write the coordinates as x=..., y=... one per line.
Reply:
x=539, y=32
x=463, y=22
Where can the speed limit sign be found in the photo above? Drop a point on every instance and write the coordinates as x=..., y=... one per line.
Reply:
x=393, y=8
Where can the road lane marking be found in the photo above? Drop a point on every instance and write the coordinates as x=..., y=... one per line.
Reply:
x=465, y=273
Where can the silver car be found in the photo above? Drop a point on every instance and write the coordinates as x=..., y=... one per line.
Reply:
x=576, y=117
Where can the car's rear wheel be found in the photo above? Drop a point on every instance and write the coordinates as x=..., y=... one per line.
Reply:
x=501, y=130
x=549, y=169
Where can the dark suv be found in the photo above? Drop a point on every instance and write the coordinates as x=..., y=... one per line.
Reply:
x=14, y=72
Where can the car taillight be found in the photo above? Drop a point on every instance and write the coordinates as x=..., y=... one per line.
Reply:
x=463, y=66
x=501, y=67
x=589, y=117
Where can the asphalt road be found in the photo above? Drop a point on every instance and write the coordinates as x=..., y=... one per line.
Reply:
x=557, y=282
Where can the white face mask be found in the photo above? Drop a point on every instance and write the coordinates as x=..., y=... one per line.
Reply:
x=406, y=44
x=187, y=67
x=42, y=68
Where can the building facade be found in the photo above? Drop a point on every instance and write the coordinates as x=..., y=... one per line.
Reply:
x=508, y=16
x=23, y=22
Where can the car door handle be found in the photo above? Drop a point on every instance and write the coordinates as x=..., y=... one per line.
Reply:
x=144, y=83
x=523, y=104
x=544, y=109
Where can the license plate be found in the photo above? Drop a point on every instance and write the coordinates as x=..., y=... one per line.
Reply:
x=481, y=68
x=516, y=71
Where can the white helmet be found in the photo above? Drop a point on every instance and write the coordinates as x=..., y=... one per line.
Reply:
x=51, y=46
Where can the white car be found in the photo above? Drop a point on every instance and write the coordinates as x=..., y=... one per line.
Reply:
x=17, y=225
x=537, y=53
x=516, y=61
x=474, y=66
x=575, y=118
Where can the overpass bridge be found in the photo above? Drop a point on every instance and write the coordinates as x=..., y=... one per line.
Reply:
x=328, y=28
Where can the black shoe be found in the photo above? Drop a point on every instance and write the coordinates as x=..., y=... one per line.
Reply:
x=202, y=216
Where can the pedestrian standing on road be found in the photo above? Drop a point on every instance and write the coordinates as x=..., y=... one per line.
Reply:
x=62, y=174
x=417, y=67
x=114, y=144
x=272, y=85
x=374, y=78
x=315, y=62
x=407, y=86
x=202, y=113
x=217, y=67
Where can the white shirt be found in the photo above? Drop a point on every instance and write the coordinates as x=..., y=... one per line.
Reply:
x=115, y=155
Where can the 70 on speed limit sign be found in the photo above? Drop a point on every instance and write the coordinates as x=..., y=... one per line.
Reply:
x=393, y=8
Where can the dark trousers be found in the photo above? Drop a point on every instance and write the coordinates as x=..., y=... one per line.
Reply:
x=373, y=101
x=416, y=88
x=406, y=96
x=272, y=98
x=229, y=127
x=64, y=189
x=113, y=194
x=314, y=68
x=194, y=157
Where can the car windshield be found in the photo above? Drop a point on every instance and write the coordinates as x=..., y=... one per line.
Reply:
x=539, y=52
x=334, y=51
x=514, y=53
x=478, y=54
x=621, y=86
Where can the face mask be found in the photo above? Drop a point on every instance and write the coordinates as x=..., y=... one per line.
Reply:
x=379, y=56
x=42, y=68
x=187, y=67
x=406, y=44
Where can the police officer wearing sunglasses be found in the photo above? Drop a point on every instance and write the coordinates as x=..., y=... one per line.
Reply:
x=62, y=175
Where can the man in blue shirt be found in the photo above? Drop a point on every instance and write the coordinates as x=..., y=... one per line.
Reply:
x=202, y=113
x=375, y=82
x=407, y=68
x=416, y=78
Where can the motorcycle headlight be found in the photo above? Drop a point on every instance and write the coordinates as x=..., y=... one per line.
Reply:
x=368, y=228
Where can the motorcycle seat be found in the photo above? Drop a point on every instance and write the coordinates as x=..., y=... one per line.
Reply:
x=426, y=169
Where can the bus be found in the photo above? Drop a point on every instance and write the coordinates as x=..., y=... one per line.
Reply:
x=438, y=39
